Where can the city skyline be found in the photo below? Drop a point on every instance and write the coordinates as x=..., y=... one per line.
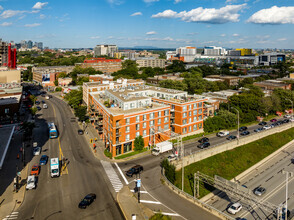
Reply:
x=157, y=23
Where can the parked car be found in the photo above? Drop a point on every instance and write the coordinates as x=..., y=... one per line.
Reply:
x=259, y=191
x=39, y=108
x=35, y=170
x=243, y=128
x=235, y=208
x=171, y=157
x=222, y=133
x=43, y=102
x=134, y=170
x=273, y=120
x=202, y=140
x=37, y=103
x=258, y=130
x=43, y=160
x=204, y=145
x=231, y=137
x=267, y=127
x=80, y=132
x=244, y=133
x=287, y=116
x=286, y=121
x=263, y=123
x=36, y=151
x=87, y=200
x=31, y=182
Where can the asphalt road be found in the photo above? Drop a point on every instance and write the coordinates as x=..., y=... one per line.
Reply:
x=269, y=175
x=157, y=196
x=214, y=140
x=58, y=198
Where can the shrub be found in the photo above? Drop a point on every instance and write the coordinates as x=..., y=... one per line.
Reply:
x=107, y=154
x=139, y=143
x=170, y=170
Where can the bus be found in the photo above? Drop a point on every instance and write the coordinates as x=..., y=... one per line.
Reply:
x=52, y=130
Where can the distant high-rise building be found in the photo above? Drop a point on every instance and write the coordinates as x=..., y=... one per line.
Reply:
x=39, y=45
x=108, y=50
x=214, y=51
x=30, y=44
x=245, y=51
x=23, y=44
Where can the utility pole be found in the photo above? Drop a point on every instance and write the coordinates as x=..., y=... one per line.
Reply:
x=194, y=185
x=23, y=154
x=288, y=174
x=182, y=158
x=238, y=114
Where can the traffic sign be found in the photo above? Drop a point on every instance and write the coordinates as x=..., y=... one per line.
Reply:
x=138, y=183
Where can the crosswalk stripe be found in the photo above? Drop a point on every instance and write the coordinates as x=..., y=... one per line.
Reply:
x=170, y=214
x=148, y=201
x=114, y=179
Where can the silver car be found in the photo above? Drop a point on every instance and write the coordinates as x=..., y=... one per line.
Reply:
x=36, y=151
x=259, y=191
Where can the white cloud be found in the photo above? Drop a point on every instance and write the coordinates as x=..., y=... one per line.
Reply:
x=42, y=16
x=223, y=35
x=178, y=1
x=222, y=15
x=192, y=34
x=6, y=24
x=11, y=13
x=149, y=1
x=32, y=25
x=95, y=37
x=231, y=1
x=282, y=39
x=40, y=5
x=136, y=13
x=115, y=2
x=151, y=33
x=1, y=8
x=236, y=35
x=273, y=15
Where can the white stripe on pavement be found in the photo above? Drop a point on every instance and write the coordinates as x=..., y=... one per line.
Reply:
x=113, y=177
x=166, y=213
x=140, y=191
x=148, y=201
x=121, y=173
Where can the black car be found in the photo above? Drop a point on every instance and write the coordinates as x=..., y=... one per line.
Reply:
x=258, y=129
x=263, y=123
x=244, y=128
x=80, y=132
x=286, y=121
x=134, y=170
x=43, y=101
x=87, y=200
x=39, y=108
x=231, y=137
x=37, y=103
x=244, y=133
x=203, y=140
x=204, y=145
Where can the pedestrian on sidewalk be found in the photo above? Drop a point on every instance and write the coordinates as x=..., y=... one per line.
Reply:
x=17, y=157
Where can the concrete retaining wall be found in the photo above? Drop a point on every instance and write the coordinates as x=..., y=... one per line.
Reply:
x=229, y=145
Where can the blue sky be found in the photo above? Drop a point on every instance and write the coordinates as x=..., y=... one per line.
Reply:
x=158, y=23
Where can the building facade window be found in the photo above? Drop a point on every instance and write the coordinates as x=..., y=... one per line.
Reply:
x=138, y=118
x=190, y=113
x=166, y=112
x=144, y=133
x=137, y=133
x=200, y=125
x=127, y=121
x=200, y=111
x=190, y=120
x=127, y=137
x=166, y=127
x=184, y=108
x=200, y=105
x=195, y=112
x=144, y=125
x=127, y=129
x=195, y=127
x=195, y=118
x=137, y=127
x=184, y=121
x=144, y=117
x=151, y=115
x=159, y=114
x=151, y=123
x=195, y=105
x=184, y=114
x=184, y=130
x=200, y=117
x=159, y=121
x=190, y=128
x=165, y=119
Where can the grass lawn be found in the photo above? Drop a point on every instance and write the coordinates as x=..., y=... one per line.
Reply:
x=231, y=163
x=130, y=154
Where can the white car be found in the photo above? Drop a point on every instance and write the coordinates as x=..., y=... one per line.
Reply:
x=36, y=151
x=287, y=116
x=267, y=127
x=31, y=182
x=223, y=133
x=235, y=208
x=171, y=157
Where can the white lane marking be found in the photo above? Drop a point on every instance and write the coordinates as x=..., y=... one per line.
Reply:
x=140, y=191
x=121, y=173
x=113, y=177
x=166, y=213
x=14, y=213
x=148, y=201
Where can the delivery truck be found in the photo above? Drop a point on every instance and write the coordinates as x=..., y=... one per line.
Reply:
x=162, y=147
x=54, y=167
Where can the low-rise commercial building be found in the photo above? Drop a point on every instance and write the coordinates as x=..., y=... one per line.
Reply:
x=102, y=64
x=231, y=80
x=10, y=76
x=268, y=86
x=102, y=78
x=150, y=62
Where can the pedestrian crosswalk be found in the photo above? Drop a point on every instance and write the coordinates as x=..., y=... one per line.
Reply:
x=12, y=216
x=113, y=177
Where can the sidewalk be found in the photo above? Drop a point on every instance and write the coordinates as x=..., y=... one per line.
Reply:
x=129, y=205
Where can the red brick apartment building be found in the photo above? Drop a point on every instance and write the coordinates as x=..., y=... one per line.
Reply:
x=120, y=113
x=102, y=64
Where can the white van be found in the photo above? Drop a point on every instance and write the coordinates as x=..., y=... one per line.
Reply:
x=45, y=105
x=31, y=183
x=47, y=97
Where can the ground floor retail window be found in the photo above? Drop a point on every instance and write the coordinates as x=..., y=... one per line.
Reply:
x=127, y=147
x=118, y=150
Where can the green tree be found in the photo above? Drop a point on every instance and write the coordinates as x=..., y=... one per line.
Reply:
x=159, y=216
x=169, y=170
x=74, y=98
x=81, y=112
x=176, y=66
x=139, y=143
x=34, y=110
x=33, y=99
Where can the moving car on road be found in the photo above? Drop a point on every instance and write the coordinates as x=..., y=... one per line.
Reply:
x=134, y=170
x=235, y=208
x=35, y=170
x=243, y=128
x=36, y=151
x=204, y=145
x=263, y=123
x=222, y=133
x=259, y=191
x=87, y=200
x=244, y=133
x=258, y=129
x=171, y=157
x=231, y=137
x=267, y=127
x=202, y=140
x=80, y=132
x=31, y=182
x=273, y=120
x=43, y=160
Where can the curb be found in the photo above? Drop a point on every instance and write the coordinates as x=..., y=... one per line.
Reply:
x=120, y=206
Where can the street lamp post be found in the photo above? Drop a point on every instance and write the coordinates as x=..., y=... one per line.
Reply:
x=288, y=174
x=238, y=123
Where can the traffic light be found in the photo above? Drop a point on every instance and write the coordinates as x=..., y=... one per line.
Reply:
x=91, y=141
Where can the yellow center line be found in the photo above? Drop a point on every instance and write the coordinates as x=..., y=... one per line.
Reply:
x=60, y=151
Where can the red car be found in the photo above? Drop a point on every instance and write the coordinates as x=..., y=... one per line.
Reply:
x=35, y=170
x=273, y=120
